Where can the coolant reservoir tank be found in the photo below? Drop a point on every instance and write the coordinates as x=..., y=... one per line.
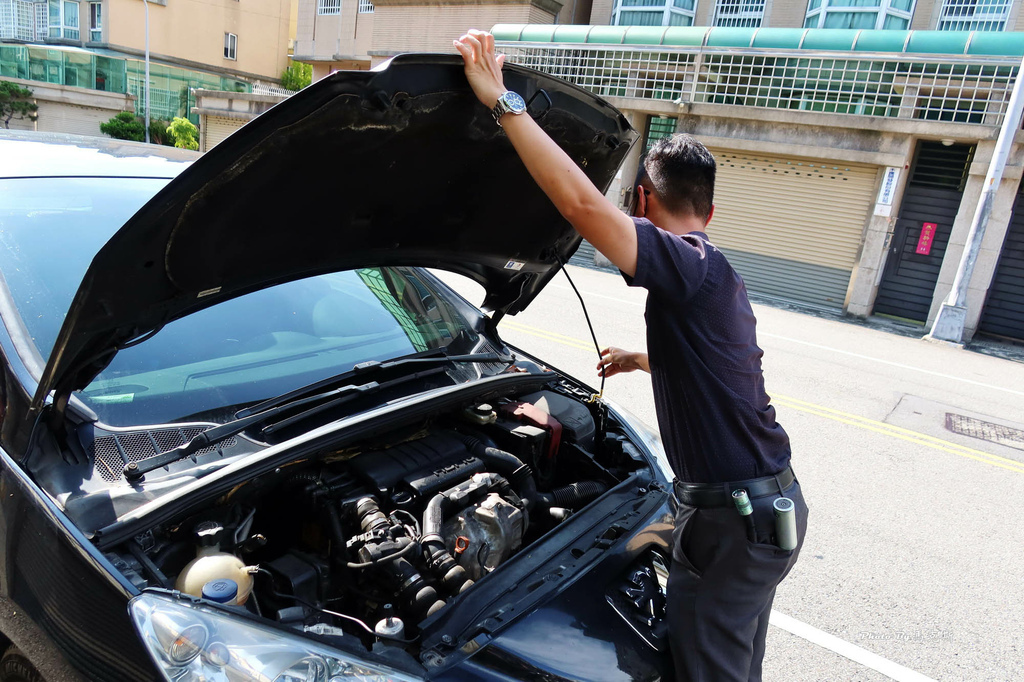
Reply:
x=212, y=564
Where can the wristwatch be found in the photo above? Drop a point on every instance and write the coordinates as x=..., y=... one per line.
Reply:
x=509, y=103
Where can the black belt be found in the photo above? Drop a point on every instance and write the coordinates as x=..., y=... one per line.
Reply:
x=720, y=494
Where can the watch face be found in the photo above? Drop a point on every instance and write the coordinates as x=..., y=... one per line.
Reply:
x=514, y=101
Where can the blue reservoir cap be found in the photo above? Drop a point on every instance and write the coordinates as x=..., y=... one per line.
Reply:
x=221, y=591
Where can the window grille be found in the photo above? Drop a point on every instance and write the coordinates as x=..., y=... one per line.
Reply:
x=42, y=20
x=365, y=7
x=328, y=7
x=974, y=15
x=739, y=13
x=17, y=20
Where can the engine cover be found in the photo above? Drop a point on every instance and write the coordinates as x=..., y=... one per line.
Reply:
x=487, y=534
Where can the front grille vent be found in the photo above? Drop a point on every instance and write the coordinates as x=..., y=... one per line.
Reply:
x=111, y=453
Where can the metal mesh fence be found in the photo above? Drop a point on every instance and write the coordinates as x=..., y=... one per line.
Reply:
x=965, y=90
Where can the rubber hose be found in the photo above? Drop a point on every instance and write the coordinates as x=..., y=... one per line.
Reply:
x=433, y=515
x=578, y=493
x=511, y=467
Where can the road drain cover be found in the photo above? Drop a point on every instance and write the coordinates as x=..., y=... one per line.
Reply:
x=976, y=428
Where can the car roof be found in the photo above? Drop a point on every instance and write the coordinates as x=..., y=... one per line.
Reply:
x=31, y=154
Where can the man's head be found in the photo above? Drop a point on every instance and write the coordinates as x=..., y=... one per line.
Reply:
x=677, y=179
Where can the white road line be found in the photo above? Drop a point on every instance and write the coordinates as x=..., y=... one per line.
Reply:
x=831, y=349
x=893, y=671
x=895, y=364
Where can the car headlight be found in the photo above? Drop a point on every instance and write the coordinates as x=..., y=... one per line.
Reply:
x=191, y=642
x=649, y=438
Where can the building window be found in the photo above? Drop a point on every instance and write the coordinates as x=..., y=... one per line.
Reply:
x=974, y=15
x=230, y=46
x=365, y=7
x=328, y=6
x=658, y=127
x=63, y=19
x=69, y=25
x=18, y=20
x=739, y=13
x=893, y=14
x=95, y=22
x=653, y=13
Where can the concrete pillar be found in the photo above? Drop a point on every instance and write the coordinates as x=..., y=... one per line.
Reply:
x=627, y=171
x=860, y=296
x=992, y=244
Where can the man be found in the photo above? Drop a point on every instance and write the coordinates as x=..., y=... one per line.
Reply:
x=719, y=430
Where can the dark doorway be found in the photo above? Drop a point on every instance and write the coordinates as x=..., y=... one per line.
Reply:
x=1004, y=308
x=929, y=207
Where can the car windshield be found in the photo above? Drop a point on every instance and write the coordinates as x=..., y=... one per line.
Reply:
x=239, y=351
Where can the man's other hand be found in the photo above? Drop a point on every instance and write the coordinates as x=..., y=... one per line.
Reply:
x=483, y=68
x=617, y=361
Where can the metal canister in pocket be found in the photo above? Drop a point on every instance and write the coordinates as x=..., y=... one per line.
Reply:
x=785, y=523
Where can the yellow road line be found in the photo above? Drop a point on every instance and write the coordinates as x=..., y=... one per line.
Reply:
x=898, y=432
x=819, y=411
x=549, y=336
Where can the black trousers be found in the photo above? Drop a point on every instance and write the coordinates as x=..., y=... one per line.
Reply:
x=721, y=587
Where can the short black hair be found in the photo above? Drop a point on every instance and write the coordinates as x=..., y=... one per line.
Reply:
x=682, y=174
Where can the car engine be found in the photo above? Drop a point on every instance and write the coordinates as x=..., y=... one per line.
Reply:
x=374, y=540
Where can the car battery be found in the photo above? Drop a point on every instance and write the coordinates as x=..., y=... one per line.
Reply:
x=527, y=442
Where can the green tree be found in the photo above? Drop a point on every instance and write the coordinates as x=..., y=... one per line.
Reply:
x=184, y=133
x=125, y=126
x=297, y=76
x=15, y=103
x=158, y=133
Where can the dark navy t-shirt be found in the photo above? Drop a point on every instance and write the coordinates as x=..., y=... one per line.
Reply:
x=714, y=414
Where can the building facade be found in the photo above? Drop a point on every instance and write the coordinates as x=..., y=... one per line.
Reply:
x=100, y=46
x=939, y=15
x=358, y=34
x=850, y=162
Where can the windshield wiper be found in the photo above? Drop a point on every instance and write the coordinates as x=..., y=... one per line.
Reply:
x=375, y=367
x=278, y=405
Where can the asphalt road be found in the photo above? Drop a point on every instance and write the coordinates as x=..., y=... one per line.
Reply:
x=913, y=567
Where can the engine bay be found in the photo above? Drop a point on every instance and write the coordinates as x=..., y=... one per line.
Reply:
x=373, y=540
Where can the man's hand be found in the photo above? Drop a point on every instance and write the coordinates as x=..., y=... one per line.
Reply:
x=483, y=68
x=599, y=221
x=617, y=361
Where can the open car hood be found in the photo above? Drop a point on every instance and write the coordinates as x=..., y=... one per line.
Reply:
x=400, y=166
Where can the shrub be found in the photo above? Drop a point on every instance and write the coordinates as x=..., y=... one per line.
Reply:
x=124, y=126
x=184, y=133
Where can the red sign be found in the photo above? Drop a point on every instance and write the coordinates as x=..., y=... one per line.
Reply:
x=924, y=242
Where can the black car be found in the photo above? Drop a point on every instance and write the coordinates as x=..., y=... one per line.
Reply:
x=246, y=435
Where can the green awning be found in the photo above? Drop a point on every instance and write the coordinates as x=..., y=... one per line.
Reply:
x=983, y=43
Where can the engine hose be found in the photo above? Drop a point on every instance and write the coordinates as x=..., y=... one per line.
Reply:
x=505, y=463
x=575, y=494
x=303, y=483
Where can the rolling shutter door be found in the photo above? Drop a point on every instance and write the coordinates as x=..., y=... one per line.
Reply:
x=1004, y=308
x=72, y=119
x=792, y=227
x=217, y=128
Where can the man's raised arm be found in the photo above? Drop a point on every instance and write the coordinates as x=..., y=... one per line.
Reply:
x=570, y=190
